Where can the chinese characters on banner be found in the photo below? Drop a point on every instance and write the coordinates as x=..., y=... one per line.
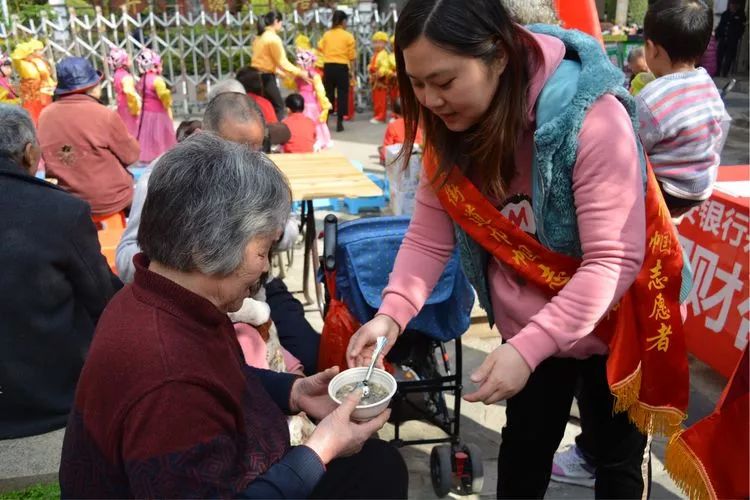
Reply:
x=716, y=242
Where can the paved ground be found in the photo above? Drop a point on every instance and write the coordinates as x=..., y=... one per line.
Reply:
x=36, y=459
x=736, y=148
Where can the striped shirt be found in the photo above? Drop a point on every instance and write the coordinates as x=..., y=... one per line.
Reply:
x=683, y=126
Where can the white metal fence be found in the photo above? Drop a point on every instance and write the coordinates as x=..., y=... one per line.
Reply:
x=197, y=50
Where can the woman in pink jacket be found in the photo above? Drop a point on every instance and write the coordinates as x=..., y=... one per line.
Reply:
x=489, y=96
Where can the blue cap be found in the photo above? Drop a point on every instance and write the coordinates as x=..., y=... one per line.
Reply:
x=75, y=74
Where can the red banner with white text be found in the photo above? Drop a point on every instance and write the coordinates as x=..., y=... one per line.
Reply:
x=716, y=241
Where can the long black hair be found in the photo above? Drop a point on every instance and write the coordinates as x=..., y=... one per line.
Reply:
x=251, y=79
x=485, y=30
x=268, y=19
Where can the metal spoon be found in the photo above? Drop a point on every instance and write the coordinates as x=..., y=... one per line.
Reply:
x=379, y=345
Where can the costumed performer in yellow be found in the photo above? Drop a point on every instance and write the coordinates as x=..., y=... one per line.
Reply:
x=37, y=85
x=393, y=92
x=381, y=74
x=8, y=94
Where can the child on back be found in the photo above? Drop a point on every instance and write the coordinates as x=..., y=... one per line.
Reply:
x=683, y=123
x=301, y=127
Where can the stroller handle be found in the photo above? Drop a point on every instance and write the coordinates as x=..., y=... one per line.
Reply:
x=330, y=228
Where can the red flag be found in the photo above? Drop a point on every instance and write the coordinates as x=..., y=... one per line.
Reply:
x=710, y=460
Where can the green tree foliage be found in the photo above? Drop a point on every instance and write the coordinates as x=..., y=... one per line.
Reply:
x=609, y=10
x=263, y=6
x=82, y=7
x=29, y=9
x=637, y=11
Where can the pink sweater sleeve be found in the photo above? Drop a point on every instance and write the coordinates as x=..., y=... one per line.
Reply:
x=425, y=251
x=608, y=191
x=609, y=198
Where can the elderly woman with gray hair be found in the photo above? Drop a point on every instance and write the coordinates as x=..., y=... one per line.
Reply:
x=165, y=406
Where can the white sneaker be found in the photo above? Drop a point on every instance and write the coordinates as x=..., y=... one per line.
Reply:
x=376, y=122
x=570, y=467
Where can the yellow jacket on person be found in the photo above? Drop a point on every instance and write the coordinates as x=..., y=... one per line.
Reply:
x=385, y=65
x=338, y=46
x=134, y=100
x=323, y=102
x=165, y=95
x=269, y=54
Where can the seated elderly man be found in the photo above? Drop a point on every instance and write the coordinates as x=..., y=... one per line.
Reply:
x=55, y=285
x=277, y=133
x=165, y=406
x=85, y=145
x=227, y=115
x=235, y=117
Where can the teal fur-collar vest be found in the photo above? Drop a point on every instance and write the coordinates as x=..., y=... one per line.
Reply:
x=584, y=75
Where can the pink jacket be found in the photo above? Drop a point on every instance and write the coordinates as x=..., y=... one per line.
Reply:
x=86, y=147
x=255, y=351
x=609, y=200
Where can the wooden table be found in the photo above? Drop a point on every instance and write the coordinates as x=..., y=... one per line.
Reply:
x=314, y=176
x=324, y=175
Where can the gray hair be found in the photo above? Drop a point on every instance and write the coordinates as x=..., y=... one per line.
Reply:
x=532, y=11
x=16, y=131
x=224, y=86
x=636, y=53
x=231, y=106
x=207, y=198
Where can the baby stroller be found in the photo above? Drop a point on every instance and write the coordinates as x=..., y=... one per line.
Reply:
x=360, y=254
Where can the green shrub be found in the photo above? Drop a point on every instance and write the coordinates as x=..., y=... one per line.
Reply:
x=37, y=491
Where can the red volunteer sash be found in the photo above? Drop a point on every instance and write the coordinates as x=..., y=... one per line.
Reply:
x=710, y=460
x=647, y=367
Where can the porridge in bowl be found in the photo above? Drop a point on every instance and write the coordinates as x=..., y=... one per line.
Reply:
x=377, y=393
x=382, y=388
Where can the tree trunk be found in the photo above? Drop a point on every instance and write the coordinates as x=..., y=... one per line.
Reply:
x=621, y=12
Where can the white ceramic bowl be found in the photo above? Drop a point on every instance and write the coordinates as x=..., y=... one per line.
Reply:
x=382, y=377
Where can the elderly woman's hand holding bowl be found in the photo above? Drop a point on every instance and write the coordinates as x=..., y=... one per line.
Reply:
x=166, y=406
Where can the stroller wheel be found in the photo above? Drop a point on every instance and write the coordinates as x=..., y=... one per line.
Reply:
x=441, y=469
x=477, y=468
